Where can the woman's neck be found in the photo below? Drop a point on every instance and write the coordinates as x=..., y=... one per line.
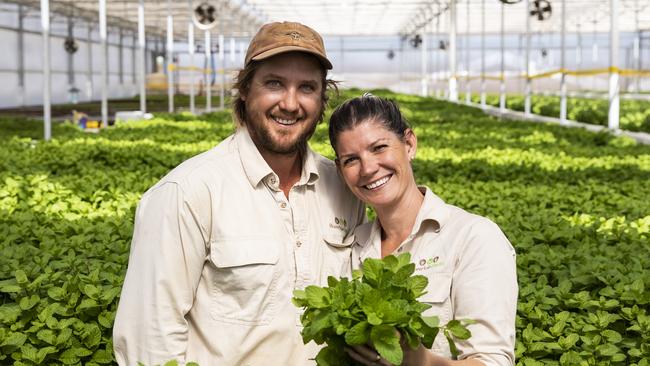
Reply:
x=397, y=221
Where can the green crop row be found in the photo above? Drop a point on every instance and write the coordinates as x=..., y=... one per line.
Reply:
x=573, y=203
x=634, y=114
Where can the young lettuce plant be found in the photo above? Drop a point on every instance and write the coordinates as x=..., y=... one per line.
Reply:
x=377, y=306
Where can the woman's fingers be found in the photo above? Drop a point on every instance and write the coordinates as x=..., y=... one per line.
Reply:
x=366, y=355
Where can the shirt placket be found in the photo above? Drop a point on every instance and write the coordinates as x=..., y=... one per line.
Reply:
x=294, y=219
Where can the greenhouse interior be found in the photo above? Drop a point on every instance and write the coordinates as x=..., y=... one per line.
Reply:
x=534, y=114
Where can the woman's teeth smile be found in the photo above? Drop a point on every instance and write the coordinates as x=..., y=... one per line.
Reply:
x=378, y=183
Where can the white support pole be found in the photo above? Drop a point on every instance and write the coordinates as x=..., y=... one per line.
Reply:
x=528, y=90
x=424, y=90
x=222, y=58
x=208, y=75
x=192, y=78
x=47, y=79
x=232, y=50
x=579, y=52
x=453, y=85
x=502, y=81
x=437, y=49
x=170, y=58
x=142, y=61
x=222, y=71
x=637, y=46
x=104, y=61
x=89, y=82
x=563, y=66
x=614, y=102
x=483, y=54
x=468, y=83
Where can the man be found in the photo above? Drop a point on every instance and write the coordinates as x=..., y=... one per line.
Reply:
x=221, y=242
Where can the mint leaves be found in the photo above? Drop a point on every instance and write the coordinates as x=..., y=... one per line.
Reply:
x=375, y=307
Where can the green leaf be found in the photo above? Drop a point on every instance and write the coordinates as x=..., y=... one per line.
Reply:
x=92, y=335
x=372, y=269
x=27, y=303
x=431, y=321
x=21, y=277
x=317, y=297
x=385, y=339
x=458, y=330
x=102, y=356
x=358, y=334
x=14, y=340
x=171, y=363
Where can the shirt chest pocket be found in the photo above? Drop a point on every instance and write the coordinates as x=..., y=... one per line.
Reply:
x=439, y=297
x=244, y=282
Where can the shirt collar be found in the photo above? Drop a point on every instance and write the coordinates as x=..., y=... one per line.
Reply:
x=256, y=168
x=433, y=210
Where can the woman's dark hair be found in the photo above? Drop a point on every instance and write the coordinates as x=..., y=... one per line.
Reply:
x=242, y=85
x=366, y=108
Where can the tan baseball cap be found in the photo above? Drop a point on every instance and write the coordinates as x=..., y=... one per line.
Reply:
x=276, y=38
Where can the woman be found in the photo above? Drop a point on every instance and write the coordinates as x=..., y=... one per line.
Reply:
x=468, y=260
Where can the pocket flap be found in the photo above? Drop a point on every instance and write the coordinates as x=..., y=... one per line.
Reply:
x=338, y=239
x=438, y=288
x=226, y=253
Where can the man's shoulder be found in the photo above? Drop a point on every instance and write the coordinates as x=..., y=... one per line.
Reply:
x=204, y=165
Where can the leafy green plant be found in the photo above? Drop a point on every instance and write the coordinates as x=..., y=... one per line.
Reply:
x=377, y=307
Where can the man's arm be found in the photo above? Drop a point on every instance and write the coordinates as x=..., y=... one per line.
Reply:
x=167, y=256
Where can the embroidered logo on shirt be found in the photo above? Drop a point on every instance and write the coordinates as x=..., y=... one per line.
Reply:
x=339, y=223
x=426, y=263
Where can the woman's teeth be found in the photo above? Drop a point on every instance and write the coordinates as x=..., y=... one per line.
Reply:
x=378, y=183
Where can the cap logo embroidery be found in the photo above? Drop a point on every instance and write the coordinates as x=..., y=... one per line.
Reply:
x=295, y=35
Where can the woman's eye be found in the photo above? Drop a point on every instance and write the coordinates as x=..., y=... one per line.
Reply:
x=348, y=161
x=273, y=83
x=379, y=148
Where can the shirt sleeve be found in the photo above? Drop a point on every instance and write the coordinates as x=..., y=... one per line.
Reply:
x=165, y=264
x=484, y=289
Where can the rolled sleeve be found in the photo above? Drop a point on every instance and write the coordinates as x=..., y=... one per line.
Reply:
x=167, y=255
x=485, y=290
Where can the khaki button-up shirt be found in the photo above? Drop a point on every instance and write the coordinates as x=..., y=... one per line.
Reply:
x=471, y=269
x=217, y=251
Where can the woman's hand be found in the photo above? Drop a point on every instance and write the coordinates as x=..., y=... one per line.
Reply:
x=366, y=355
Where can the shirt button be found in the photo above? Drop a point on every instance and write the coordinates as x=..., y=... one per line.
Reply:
x=283, y=205
x=272, y=180
x=399, y=250
x=298, y=243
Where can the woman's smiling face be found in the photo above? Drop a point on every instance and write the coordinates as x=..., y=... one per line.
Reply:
x=375, y=162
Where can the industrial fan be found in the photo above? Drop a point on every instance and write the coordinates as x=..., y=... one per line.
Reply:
x=541, y=9
x=391, y=54
x=70, y=45
x=205, y=16
x=416, y=41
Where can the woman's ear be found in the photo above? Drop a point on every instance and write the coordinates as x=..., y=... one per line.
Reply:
x=411, y=142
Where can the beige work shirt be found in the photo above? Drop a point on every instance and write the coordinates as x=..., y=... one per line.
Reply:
x=217, y=252
x=471, y=269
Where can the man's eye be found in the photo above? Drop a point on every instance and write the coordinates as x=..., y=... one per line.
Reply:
x=308, y=88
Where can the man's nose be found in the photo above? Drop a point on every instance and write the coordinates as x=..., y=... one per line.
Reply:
x=289, y=101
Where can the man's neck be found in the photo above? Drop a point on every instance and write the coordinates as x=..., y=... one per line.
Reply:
x=288, y=167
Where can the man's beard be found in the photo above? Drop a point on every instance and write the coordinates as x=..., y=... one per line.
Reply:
x=265, y=141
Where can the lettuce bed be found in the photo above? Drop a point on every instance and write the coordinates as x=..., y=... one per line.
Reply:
x=574, y=204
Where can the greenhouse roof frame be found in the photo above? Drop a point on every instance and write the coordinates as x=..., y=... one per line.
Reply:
x=355, y=17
